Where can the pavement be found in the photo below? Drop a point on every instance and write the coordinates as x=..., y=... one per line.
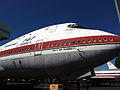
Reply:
x=101, y=88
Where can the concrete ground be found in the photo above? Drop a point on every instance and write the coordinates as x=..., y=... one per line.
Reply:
x=102, y=88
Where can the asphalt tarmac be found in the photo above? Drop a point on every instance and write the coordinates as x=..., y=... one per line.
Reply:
x=101, y=88
x=32, y=87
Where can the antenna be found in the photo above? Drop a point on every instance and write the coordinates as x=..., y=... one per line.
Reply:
x=117, y=8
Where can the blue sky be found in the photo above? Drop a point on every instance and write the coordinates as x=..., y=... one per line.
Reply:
x=28, y=15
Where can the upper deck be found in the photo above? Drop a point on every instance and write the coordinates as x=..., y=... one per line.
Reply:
x=53, y=33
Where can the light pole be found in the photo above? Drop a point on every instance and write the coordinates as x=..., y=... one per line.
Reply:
x=118, y=10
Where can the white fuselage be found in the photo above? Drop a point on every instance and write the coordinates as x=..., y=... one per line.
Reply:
x=57, y=50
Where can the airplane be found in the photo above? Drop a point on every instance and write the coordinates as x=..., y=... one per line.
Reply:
x=112, y=72
x=65, y=50
x=111, y=66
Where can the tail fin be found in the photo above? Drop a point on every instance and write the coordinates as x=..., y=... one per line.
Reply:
x=111, y=66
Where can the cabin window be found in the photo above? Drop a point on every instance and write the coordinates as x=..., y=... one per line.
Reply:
x=59, y=43
x=36, y=46
x=105, y=39
x=69, y=43
x=94, y=40
x=83, y=41
x=100, y=40
x=78, y=41
x=73, y=42
x=89, y=40
x=64, y=43
x=55, y=44
x=30, y=48
x=111, y=39
x=51, y=45
x=23, y=49
x=47, y=45
x=20, y=50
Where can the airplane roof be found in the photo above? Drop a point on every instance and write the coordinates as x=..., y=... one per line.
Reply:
x=53, y=32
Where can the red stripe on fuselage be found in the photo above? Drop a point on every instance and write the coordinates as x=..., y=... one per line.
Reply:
x=107, y=76
x=89, y=40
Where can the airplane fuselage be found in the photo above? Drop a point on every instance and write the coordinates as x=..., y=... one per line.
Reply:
x=56, y=51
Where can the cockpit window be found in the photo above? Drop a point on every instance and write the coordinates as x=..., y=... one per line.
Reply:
x=75, y=26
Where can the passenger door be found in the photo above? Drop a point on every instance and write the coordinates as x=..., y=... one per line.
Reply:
x=38, y=57
x=38, y=47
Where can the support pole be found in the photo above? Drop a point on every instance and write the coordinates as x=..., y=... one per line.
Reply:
x=117, y=9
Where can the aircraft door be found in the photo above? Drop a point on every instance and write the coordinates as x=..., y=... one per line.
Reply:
x=38, y=47
x=38, y=57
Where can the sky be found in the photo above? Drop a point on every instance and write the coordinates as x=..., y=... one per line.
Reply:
x=25, y=16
